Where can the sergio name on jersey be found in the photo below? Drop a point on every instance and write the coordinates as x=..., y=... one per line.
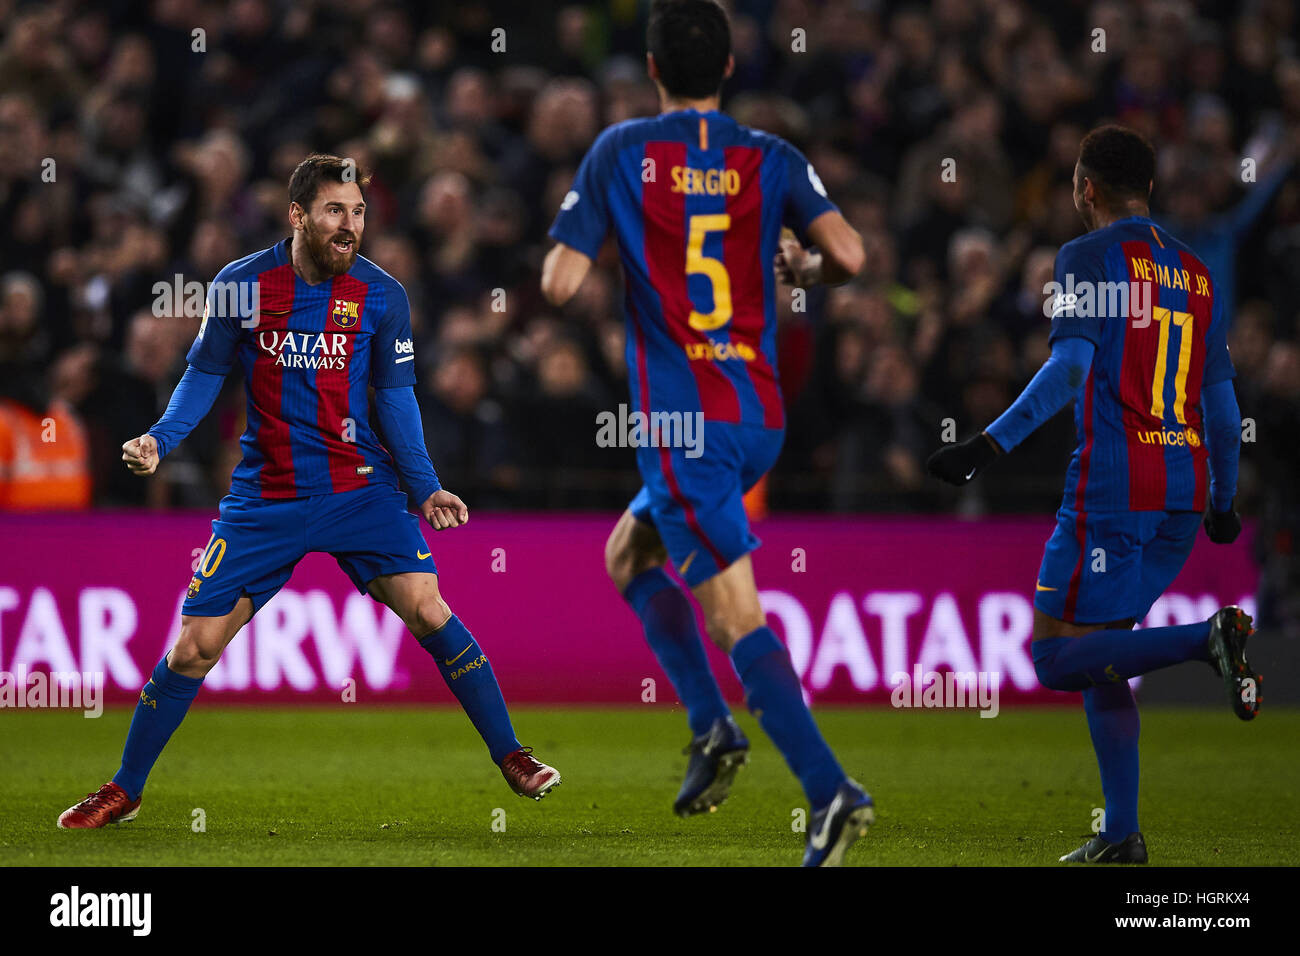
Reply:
x=697, y=202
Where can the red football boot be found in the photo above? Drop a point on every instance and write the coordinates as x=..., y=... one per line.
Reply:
x=109, y=804
x=527, y=776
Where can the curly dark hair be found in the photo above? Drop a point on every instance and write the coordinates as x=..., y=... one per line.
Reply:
x=1119, y=161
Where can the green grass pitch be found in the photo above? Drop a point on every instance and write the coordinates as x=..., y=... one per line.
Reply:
x=350, y=786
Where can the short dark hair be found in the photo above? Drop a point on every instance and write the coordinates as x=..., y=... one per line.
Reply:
x=690, y=41
x=319, y=168
x=1119, y=161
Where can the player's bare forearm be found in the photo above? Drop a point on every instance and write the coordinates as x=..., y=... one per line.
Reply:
x=842, y=254
x=562, y=273
x=830, y=272
x=812, y=269
x=837, y=258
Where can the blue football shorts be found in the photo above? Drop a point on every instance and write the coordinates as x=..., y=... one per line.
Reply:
x=1101, y=567
x=696, y=504
x=256, y=542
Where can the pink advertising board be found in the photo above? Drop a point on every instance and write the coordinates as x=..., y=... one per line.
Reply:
x=857, y=599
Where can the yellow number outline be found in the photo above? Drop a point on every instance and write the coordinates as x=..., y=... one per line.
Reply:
x=1165, y=318
x=211, y=549
x=697, y=263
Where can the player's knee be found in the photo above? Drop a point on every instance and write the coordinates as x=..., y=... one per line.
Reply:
x=1046, y=676
x=193, y=656
x=1050, y=674
x=430, y=614
x=624, y=559
x=726, y=628
x=723, y=631
x=720, y=632
x=617, y=562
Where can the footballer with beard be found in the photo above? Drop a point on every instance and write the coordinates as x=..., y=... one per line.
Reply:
x=314, y=327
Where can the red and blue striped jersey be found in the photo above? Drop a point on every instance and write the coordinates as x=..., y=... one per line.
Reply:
x=308, y=353
x=697, y=203
x=1150, y=307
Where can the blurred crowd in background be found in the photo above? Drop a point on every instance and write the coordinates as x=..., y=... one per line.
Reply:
x=171, y=152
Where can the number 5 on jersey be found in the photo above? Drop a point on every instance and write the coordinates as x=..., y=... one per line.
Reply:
x=697, y=263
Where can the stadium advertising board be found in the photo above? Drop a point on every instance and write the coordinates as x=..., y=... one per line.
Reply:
x=859, y=601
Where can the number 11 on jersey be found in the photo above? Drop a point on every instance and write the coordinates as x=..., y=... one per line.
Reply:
x=1183, y=320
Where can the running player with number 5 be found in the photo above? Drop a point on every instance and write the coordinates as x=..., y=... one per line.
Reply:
x=697, y=203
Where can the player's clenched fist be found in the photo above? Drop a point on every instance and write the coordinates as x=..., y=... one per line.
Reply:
x=141, y=455
x=795, y=265
x=445, y=510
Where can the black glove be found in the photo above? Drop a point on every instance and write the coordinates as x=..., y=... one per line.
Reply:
x=1222, y=527
x=959, y=463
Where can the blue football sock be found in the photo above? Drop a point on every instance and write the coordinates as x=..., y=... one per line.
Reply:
x=162, y=706
x=773, y=695
x=466, y=670
x=670, y=630
x=1114, y=724
x=1105, y=657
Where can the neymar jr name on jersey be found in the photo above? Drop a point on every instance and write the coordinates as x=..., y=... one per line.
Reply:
x=1170, y=278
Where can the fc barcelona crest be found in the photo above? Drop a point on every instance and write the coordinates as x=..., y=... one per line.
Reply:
x=346, y=314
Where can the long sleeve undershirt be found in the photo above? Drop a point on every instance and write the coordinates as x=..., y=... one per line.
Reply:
x=399, y=417
x=1223, y=439
x=398, y=411
x=1049, y=391
x=191, y=400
